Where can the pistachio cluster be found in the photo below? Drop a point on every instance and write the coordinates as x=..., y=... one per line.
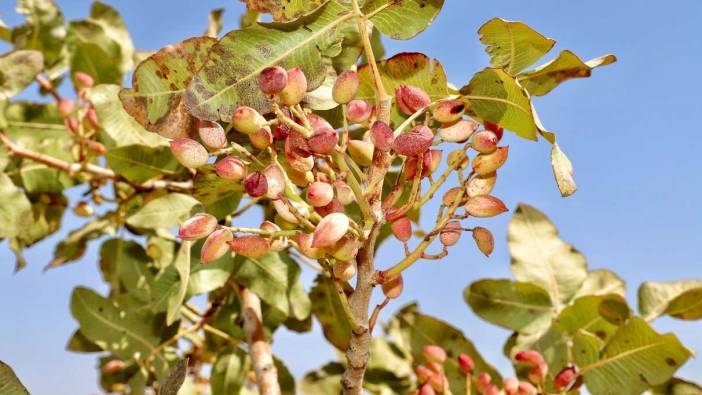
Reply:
x=291, y=148
x=431, y=378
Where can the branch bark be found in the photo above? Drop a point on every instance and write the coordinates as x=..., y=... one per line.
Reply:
x=95, y=170
x=259, y=349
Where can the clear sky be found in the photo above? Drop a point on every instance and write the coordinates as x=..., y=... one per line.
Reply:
x=631, y=131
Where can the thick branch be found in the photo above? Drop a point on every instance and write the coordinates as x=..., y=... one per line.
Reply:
x=259, y=349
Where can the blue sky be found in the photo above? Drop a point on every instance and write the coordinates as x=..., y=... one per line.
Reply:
x=631, y=131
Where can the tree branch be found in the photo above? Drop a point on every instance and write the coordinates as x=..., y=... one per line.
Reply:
x=97, y=171
x=259, y=349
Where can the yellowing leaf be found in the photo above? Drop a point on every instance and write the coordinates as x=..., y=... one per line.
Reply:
x=655, y=297
x=566, y=66
x=513, y=46
x=540, y=257
x=562, y=171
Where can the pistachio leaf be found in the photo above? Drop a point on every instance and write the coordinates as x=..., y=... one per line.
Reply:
x=566, y=66
x=158, y=83
x=402, y=20
x=284, y=10
x=513, y=46
x=496, y=96
x=230, y=76
x=656, y=296
x=17, y=70
x=540, y=257
x=562, y=171
x=618, y=363
x=10, y=384
x=518, y=306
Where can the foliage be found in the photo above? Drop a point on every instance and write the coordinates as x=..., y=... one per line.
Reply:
x=301, y=118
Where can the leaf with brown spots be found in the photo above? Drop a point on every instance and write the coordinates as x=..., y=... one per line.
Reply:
x=158, y=84
x=17, y=71
x=284, y=10
x=636, y=358
x=566, y=66
x=411, y=68
x=230, y=77
x=402, y=20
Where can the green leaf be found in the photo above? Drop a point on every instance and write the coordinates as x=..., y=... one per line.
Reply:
x=92, y=51
x=208, y=277
x=518, y=306
x=562, y=171
x=113, y=26
x=9, y=382
x=686, y=306
x=158, y=83
x=115, y=329
x=229, y=371
x=389, y=369
x=409, y=68
x=44, y=31
x=139, y=163
x=75, y=244
x=566, y=66
x=220, y=197
x=283, y=11
x=585, y=314
x=619, y=364
x=676, y=386
x=15, y=209
x=164, y=212
x=540, y=257
x=230, y=77
x=175, y=379
x=40, y=128
x=327, y=308
x=285, y=378
x=176, y=297
x=324, y=381
x=655, y=297
x=17, y=71
x=80, y=343
x=275, y=278
x=402, y=20
x=602, y=282
x=129, y=263
x=118, y=127
x=412, y=331
x=496, y=96
x=47, y=211
x=512, y=46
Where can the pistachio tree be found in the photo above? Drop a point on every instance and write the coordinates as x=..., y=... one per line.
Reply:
x=335, y=147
